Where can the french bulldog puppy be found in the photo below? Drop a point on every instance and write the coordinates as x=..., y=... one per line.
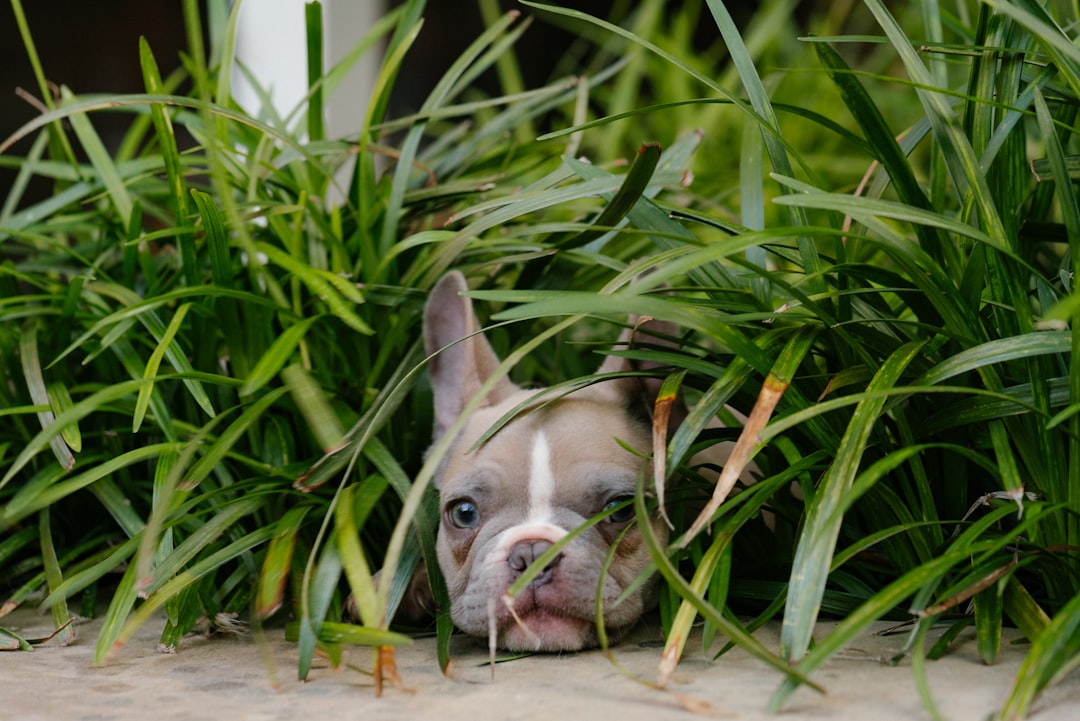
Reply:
x=539, y=477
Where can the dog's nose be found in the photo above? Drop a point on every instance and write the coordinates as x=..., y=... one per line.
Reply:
x=525, y=552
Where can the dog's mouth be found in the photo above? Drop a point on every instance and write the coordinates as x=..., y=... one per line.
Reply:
x=541, y=630
x=527, y=624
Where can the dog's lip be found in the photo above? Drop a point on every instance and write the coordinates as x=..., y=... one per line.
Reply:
x=545, y=630
x=534, y=606
x=539, y=614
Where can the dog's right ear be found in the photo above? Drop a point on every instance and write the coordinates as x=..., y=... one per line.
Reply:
x=641, y=333
x=460, y=369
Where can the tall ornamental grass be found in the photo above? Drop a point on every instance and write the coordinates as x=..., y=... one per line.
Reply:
x=213, y=397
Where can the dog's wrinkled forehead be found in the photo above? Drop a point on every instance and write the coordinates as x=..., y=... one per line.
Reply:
x=572, y=440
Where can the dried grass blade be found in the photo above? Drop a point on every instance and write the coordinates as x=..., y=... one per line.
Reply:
x=277, y=563
x=666, y=398
x=772, y=390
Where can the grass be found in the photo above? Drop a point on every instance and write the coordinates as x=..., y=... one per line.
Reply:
x=213, y=398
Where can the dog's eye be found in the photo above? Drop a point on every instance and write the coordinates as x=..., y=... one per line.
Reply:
x=620, y=515
x=463, y=514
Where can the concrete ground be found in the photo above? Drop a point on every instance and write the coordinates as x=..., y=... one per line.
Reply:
x=234, y=679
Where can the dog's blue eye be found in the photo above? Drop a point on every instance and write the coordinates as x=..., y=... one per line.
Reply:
x=463, y=514
x=622, y=515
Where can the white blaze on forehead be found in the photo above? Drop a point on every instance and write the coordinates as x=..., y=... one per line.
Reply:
x=541, y=480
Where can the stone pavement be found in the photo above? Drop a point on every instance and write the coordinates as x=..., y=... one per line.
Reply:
x=237, y=679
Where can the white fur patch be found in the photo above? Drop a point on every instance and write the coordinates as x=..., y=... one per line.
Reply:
x=541, y=481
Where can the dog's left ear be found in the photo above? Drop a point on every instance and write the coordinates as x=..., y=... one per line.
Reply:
x=641, y=333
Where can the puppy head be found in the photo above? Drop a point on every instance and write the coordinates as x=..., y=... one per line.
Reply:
x=539, y=477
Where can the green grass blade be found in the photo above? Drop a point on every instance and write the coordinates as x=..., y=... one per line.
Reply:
x=170, y=157
x=320, y=416
x=1070, y=209
x=989, y=612
x=314, y=33
x=185, y=578
x=152, y=365
x=206, y=534
x=1046, y=31
x=54, y=577
x=58, y=142
x=760, y=100
x=1050, y=652
x=959, y=156
x=997, y=351
x=732, y=630
x=274, y=359
x=123, y=600
x=39, y=394
x=78, y=411
x=1023, y=610
x=230, y=436
x=411, y=144
x=331, y=632
x=60, y=400
x=918, y=669
x=109, y=561
x=855, y=622
x=173, y=352
x=881, y=138
x=102, y=161
x=818, y=541
x=634, y=184
x=327, y=287
x=357, y=570
x=315, y=599
x=119, y=506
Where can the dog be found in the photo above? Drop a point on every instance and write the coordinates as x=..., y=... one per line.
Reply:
x=508, y=500
x=542, y=475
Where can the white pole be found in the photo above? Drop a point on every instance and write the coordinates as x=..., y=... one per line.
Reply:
x=271, y=44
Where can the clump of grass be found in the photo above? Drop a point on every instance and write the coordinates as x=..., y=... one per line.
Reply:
x=203, y=355
x=919, y=323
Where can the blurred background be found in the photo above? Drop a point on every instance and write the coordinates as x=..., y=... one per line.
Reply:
x=92, y=47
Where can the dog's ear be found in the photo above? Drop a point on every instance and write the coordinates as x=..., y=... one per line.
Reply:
x=458, y=371
x=641, y=333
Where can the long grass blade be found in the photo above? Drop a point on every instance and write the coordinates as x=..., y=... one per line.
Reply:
x=277, y=563
x=39, y=394
x=152, y=365
x=102, y=161
x=54, y=577
x=170, y=156
x=818, y=541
